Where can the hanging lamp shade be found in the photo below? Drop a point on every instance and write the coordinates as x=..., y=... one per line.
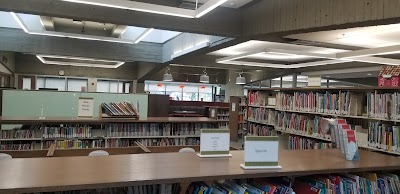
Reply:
x=240, y=80
x=167, y=77
x=204, y=79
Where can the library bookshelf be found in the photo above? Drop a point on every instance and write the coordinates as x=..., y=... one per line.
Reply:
x=237, y=112
x=45, y=174
x=361, y=106
x=78, y=133
x=221, y=114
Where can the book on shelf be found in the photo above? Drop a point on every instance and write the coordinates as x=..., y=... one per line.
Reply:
x=260, y=130
x=155, y=129
x=69, y=144
x=385, y=106
x=257, y=98
x=350, y=145
x=297, y=142
x=16, y=146
x=72, y=131
x=152, y=142
x=384, y=136
x=24, y=132
x=119, y=109
x=341, y=103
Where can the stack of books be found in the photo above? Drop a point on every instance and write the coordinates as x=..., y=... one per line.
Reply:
x=123, y=109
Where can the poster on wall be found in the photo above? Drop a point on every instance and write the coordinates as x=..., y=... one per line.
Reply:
x=85, y=107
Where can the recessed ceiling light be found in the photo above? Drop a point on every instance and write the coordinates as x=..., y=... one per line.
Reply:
x=328, y=76
x=369, y=74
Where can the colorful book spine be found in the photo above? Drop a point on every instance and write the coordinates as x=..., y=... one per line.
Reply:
x=67, y=132
x=297, y=142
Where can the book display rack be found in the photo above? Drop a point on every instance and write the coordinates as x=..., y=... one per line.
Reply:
x=76, y=133
x=371, y=112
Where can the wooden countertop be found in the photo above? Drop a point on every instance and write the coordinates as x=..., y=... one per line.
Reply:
x=67, y=120
x=76, y=173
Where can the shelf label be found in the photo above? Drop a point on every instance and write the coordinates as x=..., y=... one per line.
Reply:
x=314, y=81
x=85, y=107
x=214, y=142
x=261, y=151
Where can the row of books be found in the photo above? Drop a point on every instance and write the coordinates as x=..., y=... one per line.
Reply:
x=139, y=189
x=17, y=134
x=260, y=99
x=155, y=129
x=69, y=144
x=303, y=124
x=223, y=124
x=384, y=136
x=260, y=130
x=341, y=103
x=16, y=146
x=262, y=115
x=355, y=183
x=153, y=142
x=67, y=132
x=119, y=109
x=301, y=143
x=383, y=105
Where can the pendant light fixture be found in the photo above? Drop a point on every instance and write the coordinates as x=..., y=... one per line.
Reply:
x=204, y=78
x=167, y=76
x=240, y=80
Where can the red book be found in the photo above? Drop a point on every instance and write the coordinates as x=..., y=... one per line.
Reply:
x=304, y=188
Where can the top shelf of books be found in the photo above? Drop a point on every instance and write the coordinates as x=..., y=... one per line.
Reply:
x=71, y=120
x=327, y=89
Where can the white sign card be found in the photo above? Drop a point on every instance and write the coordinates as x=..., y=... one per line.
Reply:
x=233, y=106
x=261, y=152
x=85, y=107
x=214, y=143
x=314, y=81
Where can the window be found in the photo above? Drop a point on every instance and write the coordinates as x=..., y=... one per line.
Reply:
x=205, y=93
x=26, y=83
x=158, y=88
x=77, y=85
x=127, y=86
x=190, y=93
x=55, y=83
x=40, y=83
x=113, y=86
x=103, y=86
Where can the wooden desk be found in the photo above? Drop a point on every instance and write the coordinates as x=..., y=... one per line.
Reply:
x=76, y=173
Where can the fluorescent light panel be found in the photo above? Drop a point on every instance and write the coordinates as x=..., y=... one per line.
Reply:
x=41, y=58
x=153, y=8
x=139, y=6
x=80, y=36
x=190, y=49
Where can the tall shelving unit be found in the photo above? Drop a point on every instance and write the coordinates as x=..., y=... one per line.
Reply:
x=78, y=133
x=237, y=111
x=352, y=104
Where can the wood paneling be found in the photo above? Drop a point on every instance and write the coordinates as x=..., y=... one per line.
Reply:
x=158, y=105
x=294, y=15
x=75, y=173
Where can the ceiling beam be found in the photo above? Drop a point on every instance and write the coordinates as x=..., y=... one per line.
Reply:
x=16, y=40
x=221, y=21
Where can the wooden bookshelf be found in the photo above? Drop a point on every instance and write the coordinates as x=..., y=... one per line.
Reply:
x=361, y=116
x=102, y=137
x=237, y=118
x=66, y=120
x=77, y=173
